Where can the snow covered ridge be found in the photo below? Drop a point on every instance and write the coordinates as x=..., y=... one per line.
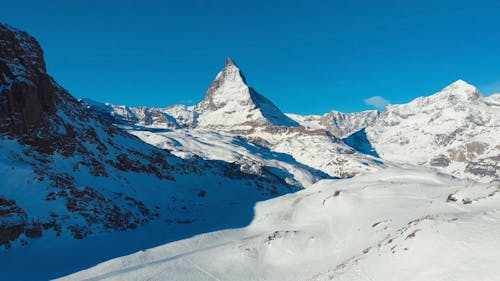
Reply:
x=68, y=172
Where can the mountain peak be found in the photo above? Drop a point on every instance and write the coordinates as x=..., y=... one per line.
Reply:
x=230, y=101
x=460, y=89
x=461, y=84
x=229, y=85
x=230, y=62
x=231, y=72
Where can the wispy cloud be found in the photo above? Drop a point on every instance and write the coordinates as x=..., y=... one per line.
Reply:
x=377, y=102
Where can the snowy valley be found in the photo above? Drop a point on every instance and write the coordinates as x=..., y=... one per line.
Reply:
x=232, y=188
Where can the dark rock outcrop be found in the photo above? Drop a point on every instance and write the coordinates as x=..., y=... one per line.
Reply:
x=27, y=93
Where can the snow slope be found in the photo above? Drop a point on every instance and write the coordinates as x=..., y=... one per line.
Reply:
x=307, y=158
x=213, y=145
x=404, y=223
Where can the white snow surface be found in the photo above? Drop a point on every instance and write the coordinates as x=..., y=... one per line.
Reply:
x=405, y=223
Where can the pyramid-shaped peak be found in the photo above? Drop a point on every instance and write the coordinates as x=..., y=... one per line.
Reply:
x=461, y=87
x=459, y=90
x=230, y=101
x=461, y=84
x=230, y=62
x=230, y=72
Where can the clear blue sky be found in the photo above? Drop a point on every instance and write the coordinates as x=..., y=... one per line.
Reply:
x=306, y=56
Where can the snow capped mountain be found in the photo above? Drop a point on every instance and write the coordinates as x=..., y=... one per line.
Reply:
x=456, y=130
x=231, y=104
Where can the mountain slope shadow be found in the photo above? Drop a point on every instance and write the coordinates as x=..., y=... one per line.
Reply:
x=359, y=141
x=201, y=204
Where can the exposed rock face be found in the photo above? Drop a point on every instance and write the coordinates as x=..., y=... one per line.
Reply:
x=440, y=161
x=468, y=152
x=34, y=108
x=27, y=94
x=13, y=221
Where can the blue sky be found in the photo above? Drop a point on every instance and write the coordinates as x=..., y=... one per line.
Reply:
x=308, y=57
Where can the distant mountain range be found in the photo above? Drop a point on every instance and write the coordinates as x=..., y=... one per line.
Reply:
x=455, y=130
